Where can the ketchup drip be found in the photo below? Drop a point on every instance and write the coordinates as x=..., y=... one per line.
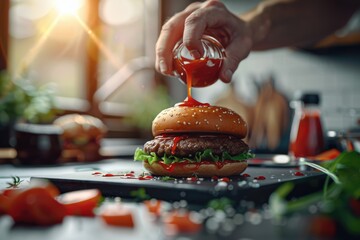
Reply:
x=176, y=140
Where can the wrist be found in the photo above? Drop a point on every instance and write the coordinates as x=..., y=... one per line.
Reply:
x=258, y=25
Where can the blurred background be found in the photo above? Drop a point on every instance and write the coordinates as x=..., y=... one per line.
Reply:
x=96, y=57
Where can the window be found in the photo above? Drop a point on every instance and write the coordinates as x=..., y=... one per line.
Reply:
x=99, y=55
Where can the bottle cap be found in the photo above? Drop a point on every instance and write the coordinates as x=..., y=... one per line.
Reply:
x=310, y=98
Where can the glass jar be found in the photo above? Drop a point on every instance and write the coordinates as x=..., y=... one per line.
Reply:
x=202, y=71
x=307, y=135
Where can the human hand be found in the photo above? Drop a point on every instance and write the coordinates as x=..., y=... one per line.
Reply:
x=211, y=18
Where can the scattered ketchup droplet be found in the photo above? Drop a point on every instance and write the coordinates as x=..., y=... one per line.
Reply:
x=96, y=173
x=215, y=178
x=246, y=175
x=143, y=178
x=260, y=178
x=108, y=175
x=299, y=174
x=193, y=179
x=129, y=174
x=224, y=179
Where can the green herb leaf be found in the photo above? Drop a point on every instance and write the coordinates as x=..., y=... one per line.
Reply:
x=140, y=194
x=208, y=155
x=220, y=203
x=15, y=183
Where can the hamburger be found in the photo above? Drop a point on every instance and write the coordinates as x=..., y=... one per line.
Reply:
x=199, y=140
x=81, y=136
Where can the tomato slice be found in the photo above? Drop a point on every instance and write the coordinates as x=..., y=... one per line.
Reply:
x=328, y=155
x=117, y=215
x=35, y=206
x=81, y=202
x=153, y=206
x=181, y=221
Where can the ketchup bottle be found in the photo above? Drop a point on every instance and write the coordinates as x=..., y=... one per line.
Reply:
x=204, y=71
x=306, y=137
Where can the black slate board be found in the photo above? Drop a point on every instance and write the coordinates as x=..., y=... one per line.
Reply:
x=197, y=192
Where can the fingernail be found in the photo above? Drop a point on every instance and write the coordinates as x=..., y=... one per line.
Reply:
x=228, y=75
x=195, y=54
x=163, y=66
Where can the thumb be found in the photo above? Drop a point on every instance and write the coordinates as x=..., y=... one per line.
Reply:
x=235, y=52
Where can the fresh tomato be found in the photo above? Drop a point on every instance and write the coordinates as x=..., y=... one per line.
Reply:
x=35, y=206
x=117, y=215
x=323, y=226
x=5, y=199
x=153, y=206
x=181, y=221
x=4, y=204
x=48, y=186
x=81, y=202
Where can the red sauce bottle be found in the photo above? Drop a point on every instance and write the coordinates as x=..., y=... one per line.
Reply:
x=307, y=136
x=204, y=70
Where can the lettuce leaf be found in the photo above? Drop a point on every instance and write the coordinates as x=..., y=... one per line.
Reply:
x=208, y=155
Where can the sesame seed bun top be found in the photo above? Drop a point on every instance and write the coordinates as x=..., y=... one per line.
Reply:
x=199, y=119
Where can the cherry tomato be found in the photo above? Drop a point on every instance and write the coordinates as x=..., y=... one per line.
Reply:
x=81, y=202
x=181, y=222
x=117, y=215
x=35, y=206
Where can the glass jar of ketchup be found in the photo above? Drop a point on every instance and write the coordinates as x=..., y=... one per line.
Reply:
x=202, y=71
x=307, y=135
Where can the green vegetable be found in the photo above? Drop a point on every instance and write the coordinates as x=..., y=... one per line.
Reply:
x=140, y=155
x=140, y=194
x=220, y=203
x=15, y=183
x=336, y=194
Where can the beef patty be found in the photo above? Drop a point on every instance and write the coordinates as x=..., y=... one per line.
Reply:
x=187, y=146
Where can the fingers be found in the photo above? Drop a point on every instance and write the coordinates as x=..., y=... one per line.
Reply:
x=235, y=52
x=170, y=33
x=206, y=16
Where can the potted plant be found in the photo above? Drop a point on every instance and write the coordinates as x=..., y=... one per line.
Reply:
x=26, y=115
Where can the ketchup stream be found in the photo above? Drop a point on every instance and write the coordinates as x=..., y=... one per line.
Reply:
x=189, y=68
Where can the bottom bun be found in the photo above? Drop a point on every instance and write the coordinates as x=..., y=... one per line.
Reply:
x=203, y=170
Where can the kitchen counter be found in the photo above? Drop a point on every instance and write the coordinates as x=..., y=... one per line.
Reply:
x=243, y=225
